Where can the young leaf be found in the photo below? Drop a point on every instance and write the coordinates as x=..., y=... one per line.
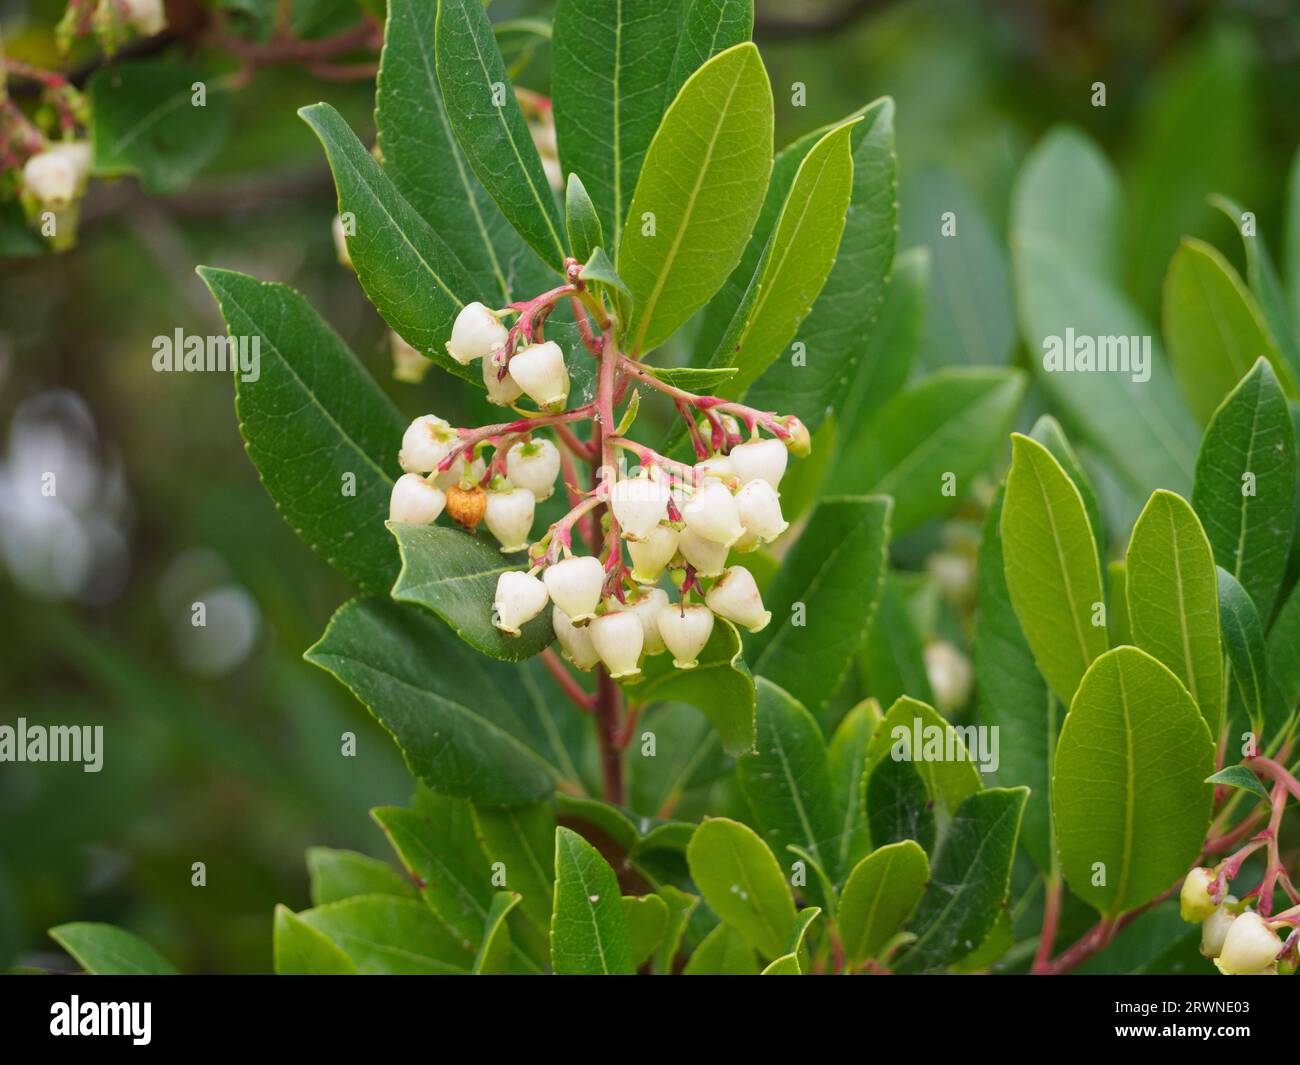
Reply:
x=1128, y=784
x=707, y=379
x=495, y=950
x=581, y=221
x=105, y=950
x=949, y=780
x=968, y=880
x=1121, y=629
x=589, y=930
x=312, y=421
x=898, y=804
x=424, y=160
x=298, y=949
x=1240, y=776
x=1051, y=566
x=337, y=875
x=1247, y=663
x=610, y=72
x=387, y=936
x=723, y=952
x=787, y=781
x=1246, y=484
x=928, y=444
x=707, y=28
x=647, y=921
x=1213, y=327
x=491, y=129
x=721, y=686
x=1173, y=599
x=410, y=274
x=823, y=598
x=700, y=190
x=455, y=575
x=881, y=893
x=600, y=270
x=522, y=838
x=742, y=883
x=1048, y=432
x=785, y=965
x=846, y=758
x=456, y=717
x=795, y=263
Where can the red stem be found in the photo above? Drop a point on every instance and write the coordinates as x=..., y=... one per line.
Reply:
x=1051, y=920
x=581, y=699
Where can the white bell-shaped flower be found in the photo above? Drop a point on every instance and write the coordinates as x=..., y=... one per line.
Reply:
x=651, y=555
x=759, y=507
x=685, y=629
x=735, y=597
x=461, y=471
x=509, y=517
x=147, y=16
x=414, y=500
x=618, y=638
x=646, y=610
x=717, y=466
x=575, y=584
x=520, y=598
x=760, y=459
x=501, y=391
x=1215, y=929
x=540, y=371
x=427, y=441
x=1250, y=946
x=1194, y=902
x=57, y=176
x=476, y=334
x=575, y=642
x=640, y=504
x=534, y=465
x=708, y=558
x=712, y=514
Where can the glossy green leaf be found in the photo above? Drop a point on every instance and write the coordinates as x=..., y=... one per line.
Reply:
x=387, y=936
x=823, y=598
x=721, y=686
x=144, y=121
x=457, y=717
x=1246, y=484
x=494, y=952
x=1128, y=784
x=881, y=893
x=928, y=444
x=581, y=221
x=647, y=923
x=106, y=950
x=787, y=780
x=723, y=952
x=701, y=187
x=589, y=930
x=1050, y=562
x=742, y=883
x=846, y=758
x=968, y=880
x=1121, y=629
x=700, y=379
x=490, y=127
x=949, y=779
x=1240, y=776
x=707, y=28
x=611, y=67
x=312, y=420
x=298, y=949
x=680, y=907
x=1246, y=667
x=1283, y=662
x=898, y=804
x=337, y=874
x=891, y=660
x=424, y=160
x=1048, y=432
x=1066, y=223
x=785, y=965
x=600, y=270
x=522, y=838
x=1173, y=599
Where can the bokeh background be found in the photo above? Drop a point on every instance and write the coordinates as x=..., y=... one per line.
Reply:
x=222, y=746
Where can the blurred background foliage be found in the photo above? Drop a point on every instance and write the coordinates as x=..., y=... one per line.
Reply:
x=222, y=746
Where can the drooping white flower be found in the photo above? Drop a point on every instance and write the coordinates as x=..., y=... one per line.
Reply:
x=735, y=597
x=1215, y=929
x=651, y=555
x=646, y=610
x=618, y=638
x=461, y=471
x=575, y=642
x=476, y=333
x=640, y=503
x=414, y=500
x=503, y=391
x=712, y=514
x=685, y=629
x=540, y=371
x=765, y=459
x=509, y=517
x=534, y=465
x=409, y=364
x=1250, y=946
x=949, y=673
x=575, y=584
x=427, y=441
x=707, y=557
x=57, y=176
x=718, y=466
x=147, y=16
x=520, y=598
x=1194, y=902
x=759, y=508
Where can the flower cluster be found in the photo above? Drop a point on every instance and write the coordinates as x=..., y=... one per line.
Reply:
x=1239, y=940
x=679, y=522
